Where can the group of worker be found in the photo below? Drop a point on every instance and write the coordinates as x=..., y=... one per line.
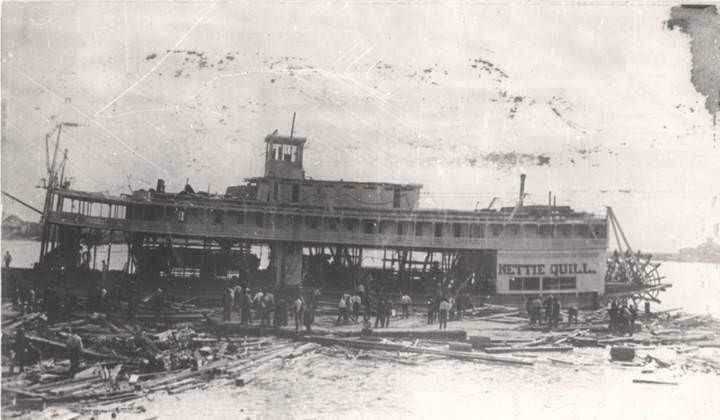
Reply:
x=622, y=317
x=22, y=350
x=548, y=311
x=349, y=308
x=267, y=308
x=446, y=308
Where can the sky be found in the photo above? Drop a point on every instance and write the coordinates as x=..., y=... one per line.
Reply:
x=599, y=104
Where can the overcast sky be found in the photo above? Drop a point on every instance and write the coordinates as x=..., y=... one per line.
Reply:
x=594, y=103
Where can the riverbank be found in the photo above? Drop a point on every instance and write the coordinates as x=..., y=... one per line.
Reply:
x=407, y=371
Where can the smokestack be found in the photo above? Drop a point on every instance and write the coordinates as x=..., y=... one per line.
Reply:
x=554, y=201
x=549, y=198
x=522, y=189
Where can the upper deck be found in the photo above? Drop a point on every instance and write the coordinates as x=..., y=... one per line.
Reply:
x=201, y=215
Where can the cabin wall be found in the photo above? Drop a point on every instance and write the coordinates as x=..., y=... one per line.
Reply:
x=349, y=195
x=555, y=270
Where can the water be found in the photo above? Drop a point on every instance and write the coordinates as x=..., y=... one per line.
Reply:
x=25, y=253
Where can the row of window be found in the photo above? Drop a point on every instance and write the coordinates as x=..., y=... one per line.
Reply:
x=418, y=229
x=457, y=230
x=548, y=283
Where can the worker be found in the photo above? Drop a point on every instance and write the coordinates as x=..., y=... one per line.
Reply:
x=621, y=318
x=534, y=309
x=308, y=317
x=430, y=310
x=367, y=305
x=32, y=300
x=555, y=312
x=342, y=310
x=405, y=302
x=7, y=259
x=632, y=317
x=104, y=272
x=528, y=308
x=451, y=313
x=20, y=349
x=237, y=297
x=75, y=350
x=443, y=308
x=547, y=304
x=298, y=311
x=380, y=314
x=246, y=303
x=612, y=314
x=460, y=306
x=572, y=314
x=355, y=302
x=256, y=302
x=157, y=303
x=314, y=301
x=103, y=301
x=267, y=306
x=227, y=299
x=388, y=311
x=280, y=317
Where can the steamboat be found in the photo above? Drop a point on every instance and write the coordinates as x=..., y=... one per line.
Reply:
x=338, y=234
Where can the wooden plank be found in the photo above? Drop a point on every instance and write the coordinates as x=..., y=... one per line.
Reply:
x=493, y=350
x=653, y=381
x=86, y=352
x=401, y=348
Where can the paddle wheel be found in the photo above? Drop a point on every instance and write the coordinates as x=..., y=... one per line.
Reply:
x=631, y=274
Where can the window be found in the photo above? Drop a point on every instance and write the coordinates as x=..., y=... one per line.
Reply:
x=600, y=231
x=369, y=226
x=582, y=231
x=531, y=231
x=457, y=230
x=546, y=231
x=563, y=231
x=275, y=191
x=240, y=218
x=477, y=231
x=217, y=217
x=350, y=224
x=438, y=230
x=295, y=193
x=524, y=283
x=259, y=219
x=396, y=197
x=314, y=222
x=401, y=228
x=180, y=213
x=418, y=229
x=559, y=283
x=513, y=230
x=386, y=227
x=333, y=224
x=496, y=230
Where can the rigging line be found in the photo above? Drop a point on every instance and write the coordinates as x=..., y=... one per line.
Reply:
x=97, y=123
x=160, y=62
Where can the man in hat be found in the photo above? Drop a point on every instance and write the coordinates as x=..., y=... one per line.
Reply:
x=20, y=348
x=227, y=299
x=74, y=345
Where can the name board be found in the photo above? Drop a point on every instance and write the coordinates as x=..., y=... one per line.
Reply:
x=543, y=269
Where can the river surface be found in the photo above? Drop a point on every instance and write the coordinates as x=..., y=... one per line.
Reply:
x=317, y=386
